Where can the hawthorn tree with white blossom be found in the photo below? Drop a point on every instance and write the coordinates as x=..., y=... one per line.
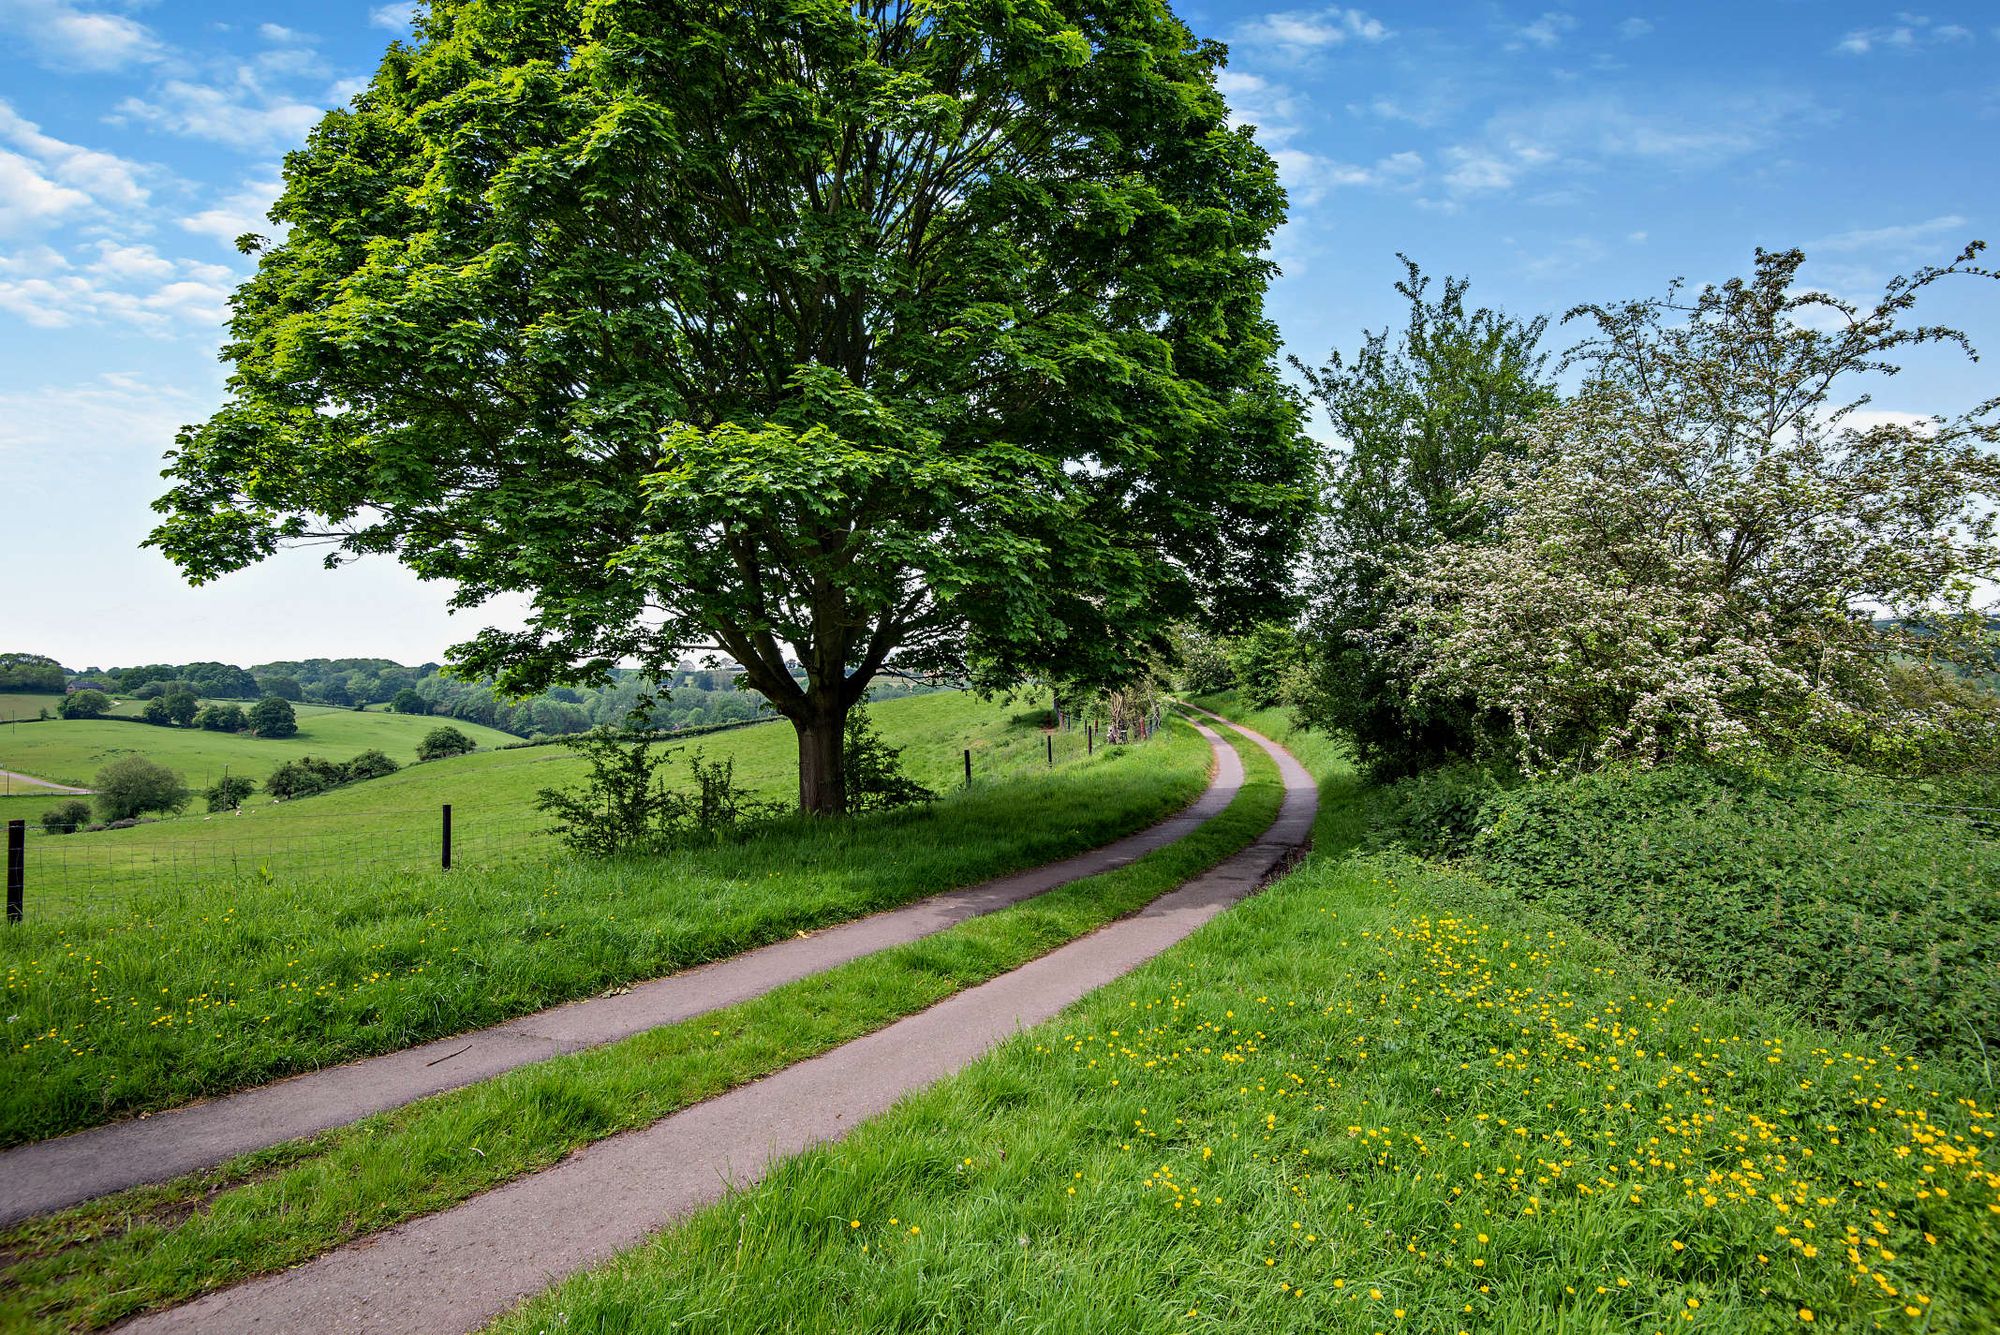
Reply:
x=1713, y=551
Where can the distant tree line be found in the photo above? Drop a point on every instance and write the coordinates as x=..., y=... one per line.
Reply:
x=173, y=692
x=32, y=674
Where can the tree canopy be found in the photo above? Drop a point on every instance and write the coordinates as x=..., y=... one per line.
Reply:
x=803, y=332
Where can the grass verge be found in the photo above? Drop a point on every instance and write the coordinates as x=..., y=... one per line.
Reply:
x=1381, y=1096
x=90, y=1266
x=196, y=989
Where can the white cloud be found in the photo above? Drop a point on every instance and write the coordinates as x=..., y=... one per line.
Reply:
x=108, y=412
x=1901, y=239
x=1545, y=32
x=29, y=200
x=242, y=210
x=1635, y=27
x=274, y=32
x=395, y=17
x=119, y=284
x=1910, y=32
x=240, y=112
x=70, y=39
x=1301, y=31
x=104, y=177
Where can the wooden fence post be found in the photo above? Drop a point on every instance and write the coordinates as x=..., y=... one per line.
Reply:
x=17, y=867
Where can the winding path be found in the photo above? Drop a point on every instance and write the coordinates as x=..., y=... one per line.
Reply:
x=41, y=787
x=52, y=1174
x=456, y=1270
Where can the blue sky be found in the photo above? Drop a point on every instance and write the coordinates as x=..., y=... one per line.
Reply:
x=1553, y=155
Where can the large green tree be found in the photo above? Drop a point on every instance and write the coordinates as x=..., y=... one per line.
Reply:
x=1417, y=413
x=820, y=335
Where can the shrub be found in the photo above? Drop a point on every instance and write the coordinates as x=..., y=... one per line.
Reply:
x=441, y=742
x=304, y=777
x=85, y=704
x=66, y=818
x=875, y=778
x=1261, y=660
x=156, y=712
x=1859, y=902
x=370, y=765
x=273, y=717
x=228, y=792
x=181, y=707
x=1203, y=667
x=132, y=785
x=624, y=805
x=1439, y=812
x=222, y=718
x=407, y=701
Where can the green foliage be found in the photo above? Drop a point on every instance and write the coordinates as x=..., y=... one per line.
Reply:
x=946, y=343
x=26, y=673
x=1418, y=417
x=305, y=776
x=441, y=742
x=85, y=704
x=1262, y=660
x=1201, y=662
x=273, y=716
x=66, y=817
x=210, y=680
x=624, y=804
x=1859, y=903
x=1440, y=811
x=875, y=777
x=407, y=701
x=133, y=785
x=229, y=792
x=222, y=718
x=1714, y=550
x=371, y=764
x=284, y=687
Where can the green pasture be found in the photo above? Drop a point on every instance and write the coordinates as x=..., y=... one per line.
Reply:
x=72, y=750
x=200, y=972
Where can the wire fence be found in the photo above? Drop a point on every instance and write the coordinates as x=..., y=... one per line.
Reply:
x=53, y=875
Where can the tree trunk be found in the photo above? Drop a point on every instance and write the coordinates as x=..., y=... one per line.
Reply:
x=822, y=768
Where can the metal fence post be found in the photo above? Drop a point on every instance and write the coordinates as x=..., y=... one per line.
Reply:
x=447, y=836
x=1051, y=740
x=1089, y=738
x=968, y=767
x=17, y=867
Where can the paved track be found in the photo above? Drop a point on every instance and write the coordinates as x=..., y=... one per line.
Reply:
x=52, y=1174
x=455, y=1271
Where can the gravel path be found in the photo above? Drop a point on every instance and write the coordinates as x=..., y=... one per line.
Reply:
x=39, y=786
x=51, y=1174
x=456, y=1270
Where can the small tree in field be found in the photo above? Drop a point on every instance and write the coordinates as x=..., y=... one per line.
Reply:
x=805, y=334
x=133, y=785
x=85, y=704
x=273, y=717
x=407, y=701
x=229, y=792
x=1712, y=551
x=441, y=742
x=66, y=817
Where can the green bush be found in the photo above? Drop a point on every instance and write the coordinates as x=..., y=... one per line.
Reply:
x=1439, y=812
x=85, y=704
x=1852, y=900
x=66, y=817
x=441, y=742
x=273, y=716
x=133, y=785
x=228, y=792
x=304, y=777
x=370, y=765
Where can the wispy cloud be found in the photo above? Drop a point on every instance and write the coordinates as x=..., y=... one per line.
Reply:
x=245, y=209
x=104, y=178
x=1635, y=27
x=121, y=284
x=1303, y=31
x=1901, y=239
x=1544, y=33
x=394, y=17
x=238, y=110
x=1910, y=32
x=70, y=39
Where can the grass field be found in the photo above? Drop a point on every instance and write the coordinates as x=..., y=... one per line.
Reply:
x=26, y=704
x=1382, y=1096
x=72, y=750
x=166, y=991
x=393, y=823
x=96, y=1264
